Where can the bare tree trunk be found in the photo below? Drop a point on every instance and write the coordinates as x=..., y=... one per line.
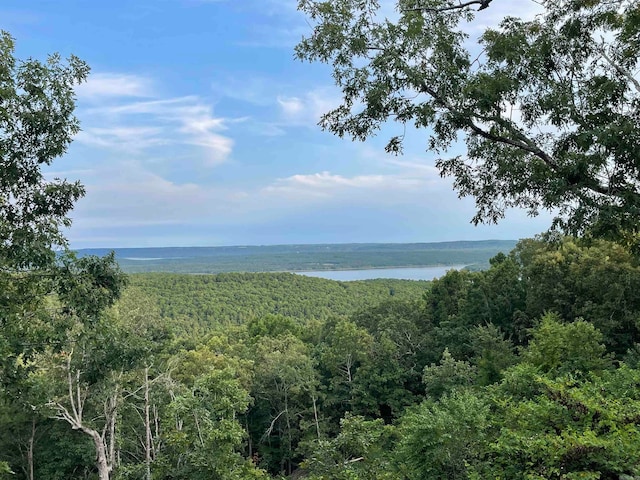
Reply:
x=286, y=409
x=73, y=415
x=31, y=446
x=110, y=419
x=104, y=469
x=155, y=440
x=147, y=425
x=315, y=414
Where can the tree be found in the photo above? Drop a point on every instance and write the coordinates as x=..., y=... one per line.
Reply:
x=575, y=348
x=46, y=295
x=84, y=380
x=36, y=126
x=448, y=375
x=204, y=440
x=285, y=390
x=567, y=277
x=440, y=440
x=548, y=107
x=563, y=428
x=360, y=451
x=344, y=349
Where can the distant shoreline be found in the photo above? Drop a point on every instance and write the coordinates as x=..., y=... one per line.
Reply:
x=308, y=258
x=372, y=268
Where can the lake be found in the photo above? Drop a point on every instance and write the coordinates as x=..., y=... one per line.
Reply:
x=419, y=273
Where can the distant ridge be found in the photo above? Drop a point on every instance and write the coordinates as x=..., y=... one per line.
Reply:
x=298, y=257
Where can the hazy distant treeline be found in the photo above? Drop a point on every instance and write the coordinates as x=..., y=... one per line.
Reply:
x=277, y=258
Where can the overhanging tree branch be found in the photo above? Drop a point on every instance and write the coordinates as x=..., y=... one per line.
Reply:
x=483, y=4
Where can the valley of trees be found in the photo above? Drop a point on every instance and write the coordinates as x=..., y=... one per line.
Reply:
x=527, y=370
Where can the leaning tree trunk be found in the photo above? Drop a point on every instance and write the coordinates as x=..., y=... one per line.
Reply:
x=72, y=413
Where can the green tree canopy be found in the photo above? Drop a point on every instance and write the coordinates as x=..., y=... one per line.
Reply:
x=47, y=294
x=548, y=107
x=36, y=126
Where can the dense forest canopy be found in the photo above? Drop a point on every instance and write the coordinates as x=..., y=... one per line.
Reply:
x=527, y=370
x=200, y=301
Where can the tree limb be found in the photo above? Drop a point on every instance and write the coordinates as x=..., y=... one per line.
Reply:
x=523, y=143
x=620, y=69
x=483, y=4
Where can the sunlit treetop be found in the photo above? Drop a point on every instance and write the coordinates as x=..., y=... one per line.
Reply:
x=37, y=125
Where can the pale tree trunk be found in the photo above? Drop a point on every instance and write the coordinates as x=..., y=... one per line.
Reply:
x=156, y=443
x=31, y=446
x=110, y=412
x=347, y=369
x=286, y=409
x=72, y=413
x=147, y=425
x=315, y=414
x=104, y=468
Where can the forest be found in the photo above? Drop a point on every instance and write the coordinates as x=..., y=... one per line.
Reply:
x=288, y=258
x=491, y=374
x=528, y=369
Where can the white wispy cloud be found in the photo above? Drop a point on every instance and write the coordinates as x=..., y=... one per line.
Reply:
x=250, y=88
x=114, y=117
x=291, y=106
x=307, y=108
x=122, y=138
x=101, y=85
x=278, y=105
x=327, y=186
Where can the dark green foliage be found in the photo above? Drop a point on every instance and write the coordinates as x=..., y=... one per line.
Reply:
x=563, y=428
x=196, y=303
x=440, y=440
x=598, y=281
x=492, y=353
x=403, y=345
x=36, y=126
x=48, y=296
x=343, y=349
x=360, y=451
x=285, y=388
x=383, y=386
x=447, y=376
x=202, y=435
x=342, y=395
x=566, y=276
x=538, y=422
x=88, y=285
x=575, y=348
x=62, y=453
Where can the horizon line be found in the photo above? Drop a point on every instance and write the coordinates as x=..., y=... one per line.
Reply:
x=298, y=244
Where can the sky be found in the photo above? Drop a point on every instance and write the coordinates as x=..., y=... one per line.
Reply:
x=199, y=128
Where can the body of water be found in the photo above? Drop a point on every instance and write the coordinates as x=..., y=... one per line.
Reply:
x=419, y=273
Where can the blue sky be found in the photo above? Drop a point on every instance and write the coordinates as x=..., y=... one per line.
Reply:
x=199, y=128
